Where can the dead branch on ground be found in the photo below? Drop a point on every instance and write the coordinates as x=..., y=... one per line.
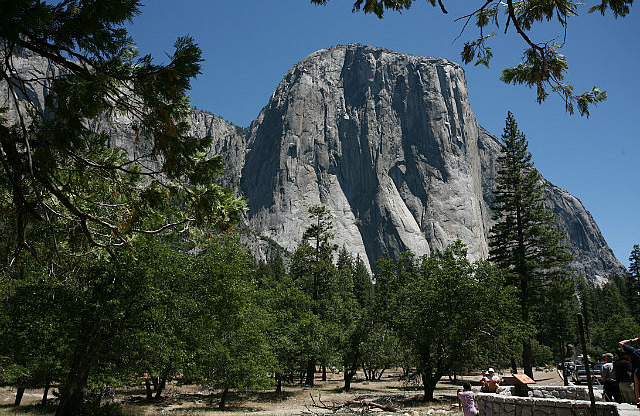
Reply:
x=363, y=405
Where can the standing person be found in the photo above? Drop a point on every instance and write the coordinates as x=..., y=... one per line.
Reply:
x=467, y=400
x=624, y=374
x=611, y=389
x=634, y=353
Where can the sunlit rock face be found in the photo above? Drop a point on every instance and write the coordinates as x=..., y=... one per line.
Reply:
x=388, y=142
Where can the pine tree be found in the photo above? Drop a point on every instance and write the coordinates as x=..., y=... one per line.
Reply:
x=525, y=239
x=633, y=282
x=313, y=271
x=634, y=262
x=59, y=175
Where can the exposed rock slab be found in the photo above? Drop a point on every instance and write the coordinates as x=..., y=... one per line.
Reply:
x=388, y=142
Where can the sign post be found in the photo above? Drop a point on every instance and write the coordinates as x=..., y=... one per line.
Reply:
x=521, y=384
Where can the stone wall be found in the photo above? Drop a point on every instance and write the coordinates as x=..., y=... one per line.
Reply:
x=560, y=392
x=543, y=401
x=555, y=392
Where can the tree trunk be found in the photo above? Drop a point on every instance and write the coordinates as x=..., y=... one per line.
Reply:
x=514, y=367
x=324, y=372
x=45, y=394
x=279, y=383
x=380, y=374
x=147, y=388
x=223, y=398
x=19, y=394
x=311, y=372
x=348, y=376
x=527, y=364
x=527, y=361
x=72, y=390
x=565, y=374
x=429, y=382
x=161, y=385
x=350, y=371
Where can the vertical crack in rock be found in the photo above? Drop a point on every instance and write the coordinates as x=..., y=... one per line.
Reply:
x=388, y=142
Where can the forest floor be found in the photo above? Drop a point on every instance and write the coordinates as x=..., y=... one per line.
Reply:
x=387, y=396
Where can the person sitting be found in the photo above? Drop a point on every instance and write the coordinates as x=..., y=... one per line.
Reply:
x=490, y=382
x=485, y=374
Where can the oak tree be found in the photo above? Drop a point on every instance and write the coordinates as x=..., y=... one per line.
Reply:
x=448, y=311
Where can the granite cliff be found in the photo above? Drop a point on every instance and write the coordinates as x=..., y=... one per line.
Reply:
x=388, y=142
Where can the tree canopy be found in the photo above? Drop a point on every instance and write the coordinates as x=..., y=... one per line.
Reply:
x=543, y=67
x=68, y=71
x=449, y=312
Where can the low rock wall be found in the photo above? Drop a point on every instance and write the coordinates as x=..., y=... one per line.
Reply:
x=555, y=392
x=543, y=401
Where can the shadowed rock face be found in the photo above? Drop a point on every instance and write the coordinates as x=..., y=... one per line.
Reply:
x=389, y=144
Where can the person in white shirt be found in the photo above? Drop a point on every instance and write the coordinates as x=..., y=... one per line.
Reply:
x=490, y=381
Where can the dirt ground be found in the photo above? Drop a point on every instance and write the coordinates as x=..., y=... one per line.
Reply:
x=327, y=397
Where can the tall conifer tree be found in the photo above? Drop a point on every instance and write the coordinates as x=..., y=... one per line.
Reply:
x=634, y=262
x=313, y=271
x=633, y=283
x=525, y=239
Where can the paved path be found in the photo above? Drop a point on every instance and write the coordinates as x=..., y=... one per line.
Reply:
x=627, y=410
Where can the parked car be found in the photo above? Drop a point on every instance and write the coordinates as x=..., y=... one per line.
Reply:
x=579, y=374
x=597, y=371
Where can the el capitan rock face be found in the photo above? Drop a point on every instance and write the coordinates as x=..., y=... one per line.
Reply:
x=388, y=142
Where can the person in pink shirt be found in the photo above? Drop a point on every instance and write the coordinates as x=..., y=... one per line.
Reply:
x=467, y=400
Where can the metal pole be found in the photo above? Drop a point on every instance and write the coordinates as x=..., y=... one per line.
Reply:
x=586, y=365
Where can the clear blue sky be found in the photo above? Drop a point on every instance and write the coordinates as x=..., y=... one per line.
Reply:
x=249, y=45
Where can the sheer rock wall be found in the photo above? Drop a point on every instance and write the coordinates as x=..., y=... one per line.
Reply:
x=388, y=142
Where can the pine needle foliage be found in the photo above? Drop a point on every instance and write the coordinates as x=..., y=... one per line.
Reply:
x=72, y=85
x=525, y=239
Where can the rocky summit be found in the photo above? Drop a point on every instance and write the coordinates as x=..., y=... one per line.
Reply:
x=388, y=142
